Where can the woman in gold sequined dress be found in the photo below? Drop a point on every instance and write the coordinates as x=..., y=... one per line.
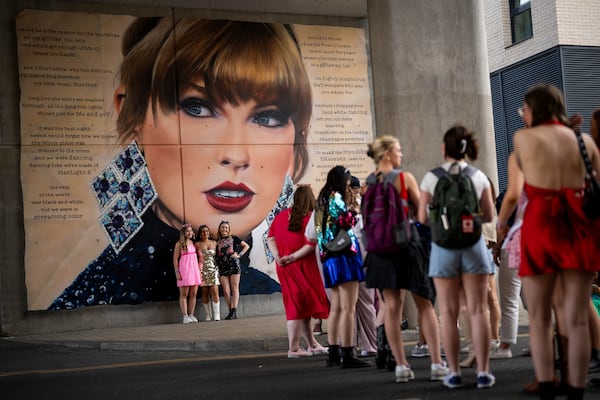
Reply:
x=210, y=274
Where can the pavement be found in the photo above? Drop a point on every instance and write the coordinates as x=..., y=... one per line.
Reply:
x=253, y=334
x=245, y=335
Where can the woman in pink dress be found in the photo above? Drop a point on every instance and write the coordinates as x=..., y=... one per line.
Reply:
x=187, y=272
x=298, y=272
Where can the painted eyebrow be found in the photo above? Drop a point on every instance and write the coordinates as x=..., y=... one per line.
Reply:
x=259, y=107
x=198, y=88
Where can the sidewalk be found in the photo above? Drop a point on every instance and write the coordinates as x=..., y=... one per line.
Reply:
x=243, y=335
x=251, y=334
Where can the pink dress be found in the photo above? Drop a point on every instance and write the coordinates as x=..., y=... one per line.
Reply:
x=188, y=268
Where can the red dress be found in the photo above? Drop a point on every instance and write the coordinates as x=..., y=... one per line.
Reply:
x=301, y=283
x=556, y=235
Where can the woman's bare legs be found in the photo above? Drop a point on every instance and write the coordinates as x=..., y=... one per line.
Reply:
x=476, y=287
x=494, y=308
x=183, y=299
x=204, y=291
x=191, y=300
x=348, y=295
x=428, y=324
x=235, y=290
x=226, y=290
x=448, y=290
x=293, y=329
x=333, y=322
x=577, y=324
x=394, y=304
x=380, y=317
x=538, y=293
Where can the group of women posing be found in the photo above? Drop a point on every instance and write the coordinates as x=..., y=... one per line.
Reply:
x=208, y=263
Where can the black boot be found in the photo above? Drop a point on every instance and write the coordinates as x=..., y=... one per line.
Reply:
x=333, y=357
x=390, y=361
x=382, y=351
x=349, y=361
x=548, y=390
x=574, y=393
x=595, y=361
x=232, y=314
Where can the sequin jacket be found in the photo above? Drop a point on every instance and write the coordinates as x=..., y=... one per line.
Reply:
x=338, y=217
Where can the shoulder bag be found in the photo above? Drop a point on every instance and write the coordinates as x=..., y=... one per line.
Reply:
x=591, y=190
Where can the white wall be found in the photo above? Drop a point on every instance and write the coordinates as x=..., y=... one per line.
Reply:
x=555, y=22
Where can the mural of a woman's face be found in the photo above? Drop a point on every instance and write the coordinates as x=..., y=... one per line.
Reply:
x=211, y=163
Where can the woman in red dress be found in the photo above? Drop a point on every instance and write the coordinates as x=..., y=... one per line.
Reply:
x=559, y=244
x=302, y=288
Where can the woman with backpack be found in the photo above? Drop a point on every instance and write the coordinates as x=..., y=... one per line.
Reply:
x=459, y=256
x=395, y=272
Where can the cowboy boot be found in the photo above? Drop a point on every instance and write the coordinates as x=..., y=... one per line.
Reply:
x=207, y=311
x=216, y=310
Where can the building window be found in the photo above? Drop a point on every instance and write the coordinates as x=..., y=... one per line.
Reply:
x=520, y=20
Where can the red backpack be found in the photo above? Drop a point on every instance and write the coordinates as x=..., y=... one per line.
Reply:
x=385, y=212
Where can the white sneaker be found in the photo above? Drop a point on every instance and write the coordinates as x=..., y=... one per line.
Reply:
x=485, y=380
x=187, y=319
x=494, y=344
x=194, y=319
x=499, y=353
x=404, y=373
x=452, y=381
x=439, y=371
x=420, y=351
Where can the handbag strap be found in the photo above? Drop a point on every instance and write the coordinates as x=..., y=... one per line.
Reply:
x=584, y=154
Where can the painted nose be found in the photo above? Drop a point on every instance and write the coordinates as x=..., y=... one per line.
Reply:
x=236, y=165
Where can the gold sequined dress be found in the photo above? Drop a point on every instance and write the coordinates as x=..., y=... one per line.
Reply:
x=210, y=272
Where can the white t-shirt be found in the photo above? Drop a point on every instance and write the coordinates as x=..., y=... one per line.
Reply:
x=480, y=180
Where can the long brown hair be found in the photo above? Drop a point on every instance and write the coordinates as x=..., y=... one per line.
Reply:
x=304, y=203
x=546, y=102
x=182, y=239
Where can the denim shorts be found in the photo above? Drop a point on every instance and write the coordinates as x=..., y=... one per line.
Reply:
x=450, y=263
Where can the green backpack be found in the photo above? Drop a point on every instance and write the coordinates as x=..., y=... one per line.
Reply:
x=454, y=215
